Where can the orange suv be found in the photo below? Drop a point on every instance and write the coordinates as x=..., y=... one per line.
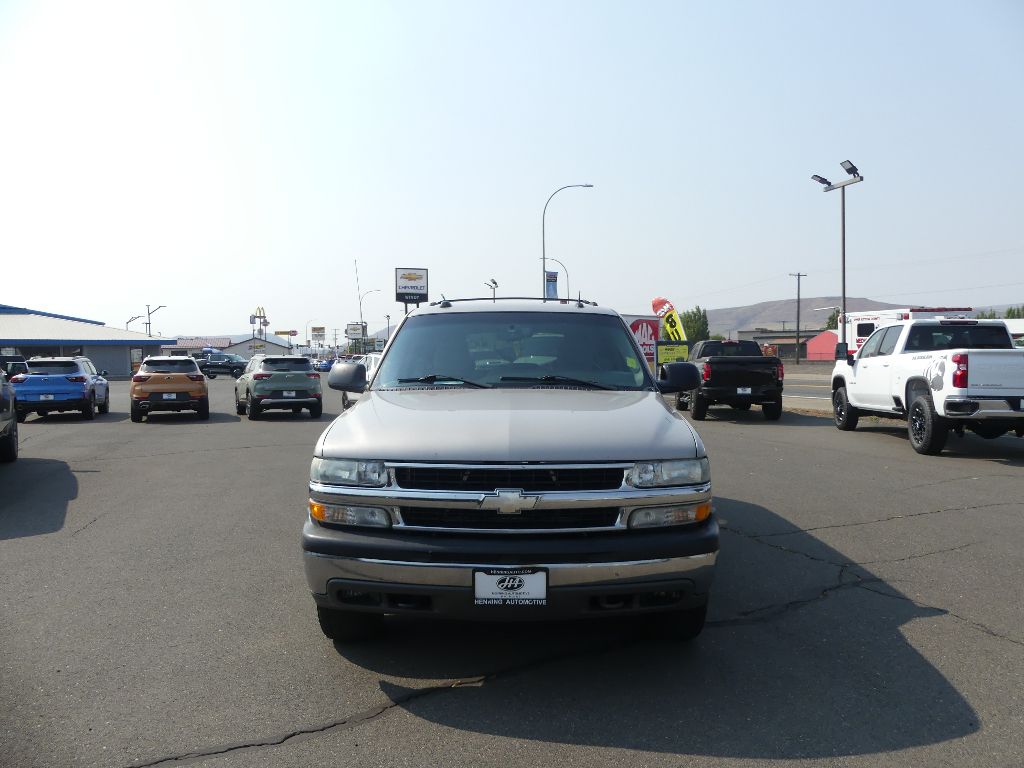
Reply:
x=169, y=384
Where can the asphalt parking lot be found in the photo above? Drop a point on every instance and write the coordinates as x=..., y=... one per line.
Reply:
x=866, y=612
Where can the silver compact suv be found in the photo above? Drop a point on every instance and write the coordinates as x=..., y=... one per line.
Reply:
x=511, y=460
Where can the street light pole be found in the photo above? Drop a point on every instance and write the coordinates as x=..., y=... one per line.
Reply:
x=149, y=317
x=362, y=325
x=493, y=285
x=798, y=275
x=543, y=239
x=132, y=320
x=388, y=338
x=855, y=176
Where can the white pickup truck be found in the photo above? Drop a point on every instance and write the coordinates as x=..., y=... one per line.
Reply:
x=939, y=375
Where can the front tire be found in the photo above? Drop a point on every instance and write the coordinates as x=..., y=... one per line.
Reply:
x=772, y=411
x=698, y=406
x=845, y=415
x=349, y=625
x=927, y=430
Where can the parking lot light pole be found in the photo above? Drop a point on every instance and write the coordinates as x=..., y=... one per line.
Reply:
x=362, y=325
x=493, y=285
x=797, y=275
x=149, y=317
x=132, y=320
x=855, y=176
x=543, y=239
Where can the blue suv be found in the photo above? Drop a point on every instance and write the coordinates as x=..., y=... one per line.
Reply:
x=61, y=384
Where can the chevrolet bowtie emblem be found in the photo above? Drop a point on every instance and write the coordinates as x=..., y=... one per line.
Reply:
x=508, y=501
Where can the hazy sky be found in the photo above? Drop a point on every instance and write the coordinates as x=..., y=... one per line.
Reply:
x=216, y=156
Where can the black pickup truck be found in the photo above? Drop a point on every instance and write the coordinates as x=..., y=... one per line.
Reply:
x=221, y=362
x=734, y=373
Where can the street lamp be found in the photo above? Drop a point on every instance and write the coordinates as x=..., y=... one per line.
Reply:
x=149, y=316
x=362, y=325
x=493, y=285
x=388, y=337
x=543, y=238
x=132, y=320
x=855, y=176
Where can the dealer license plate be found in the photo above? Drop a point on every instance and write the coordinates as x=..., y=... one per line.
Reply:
x=742, y=390
x=170, y=396
x=46, y=397
x=289, y=393
x=510, y=586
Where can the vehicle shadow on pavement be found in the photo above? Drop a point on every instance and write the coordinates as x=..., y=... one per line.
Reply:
x=803, y=657
x=1007, y=449
x=34, y=496
x=753, y=416
x=171, y=417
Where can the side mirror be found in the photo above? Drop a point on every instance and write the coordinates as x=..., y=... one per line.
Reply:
x=843, y=353
x=678, y=377
x=103, y=373
x=347, y=377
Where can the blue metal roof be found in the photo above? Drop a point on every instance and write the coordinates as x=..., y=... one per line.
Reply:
x=7, y=309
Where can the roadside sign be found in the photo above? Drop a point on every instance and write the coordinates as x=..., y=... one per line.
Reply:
x=410, y=285
x=672, y=352
x=378, y=345
x=355, y=330
x=646, y=332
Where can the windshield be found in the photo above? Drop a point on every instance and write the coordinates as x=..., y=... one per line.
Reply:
x=279, y=364
x=182, y=365
x=513, y=349
x=56, y=367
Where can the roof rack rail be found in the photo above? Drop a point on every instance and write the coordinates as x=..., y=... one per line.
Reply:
x=578, y=302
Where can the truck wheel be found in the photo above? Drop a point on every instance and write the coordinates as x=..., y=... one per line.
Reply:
x=927, y=430
x=349, y=625
x=89, y=412
x=136, y=412
x=9, y=445
x=680, y=626
x=315, y=411
x=845, y=415
x=772, y=411
x=682, y=403
x=251, y=407
x=698, y=406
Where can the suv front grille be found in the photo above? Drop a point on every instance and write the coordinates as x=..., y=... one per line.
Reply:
x=489, y=479
x=483, y=519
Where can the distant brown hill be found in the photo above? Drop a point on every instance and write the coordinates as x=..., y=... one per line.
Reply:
x=776, y=315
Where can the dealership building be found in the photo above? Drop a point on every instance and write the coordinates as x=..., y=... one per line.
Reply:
x=31, y=332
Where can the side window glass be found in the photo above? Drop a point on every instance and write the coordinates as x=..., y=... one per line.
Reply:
x=870, y=348
x=888, y=344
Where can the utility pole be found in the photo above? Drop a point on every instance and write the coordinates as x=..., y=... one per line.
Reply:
x=797, y=275
x=335, y=340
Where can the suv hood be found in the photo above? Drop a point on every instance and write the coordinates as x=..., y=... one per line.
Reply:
x=510, y=425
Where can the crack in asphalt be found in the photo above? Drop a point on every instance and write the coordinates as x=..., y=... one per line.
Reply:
x=373, y=713
x=78, y=531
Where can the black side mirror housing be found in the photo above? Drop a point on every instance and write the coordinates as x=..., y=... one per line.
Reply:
x=843, y=353
x=678, y=377
x=103, y=373
x=347, y=377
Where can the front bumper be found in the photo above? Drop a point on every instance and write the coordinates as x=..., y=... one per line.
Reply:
x=612, y=573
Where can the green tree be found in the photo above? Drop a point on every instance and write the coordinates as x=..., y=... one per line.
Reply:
x=695, y=323
x=832, y=323
x=1015, y=313
x=990, y=315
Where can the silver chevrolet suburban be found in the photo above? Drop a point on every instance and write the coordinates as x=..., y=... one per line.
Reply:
x=510, y=460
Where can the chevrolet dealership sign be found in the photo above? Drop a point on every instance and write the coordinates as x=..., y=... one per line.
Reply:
x=410, y=285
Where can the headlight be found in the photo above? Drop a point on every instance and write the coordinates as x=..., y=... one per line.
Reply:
x=346, y=514
x=348, y=472
x=659, y=517
x=655, y=474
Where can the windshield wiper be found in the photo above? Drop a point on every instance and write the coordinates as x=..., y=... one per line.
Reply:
x=550, y=379
x=435, y=377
